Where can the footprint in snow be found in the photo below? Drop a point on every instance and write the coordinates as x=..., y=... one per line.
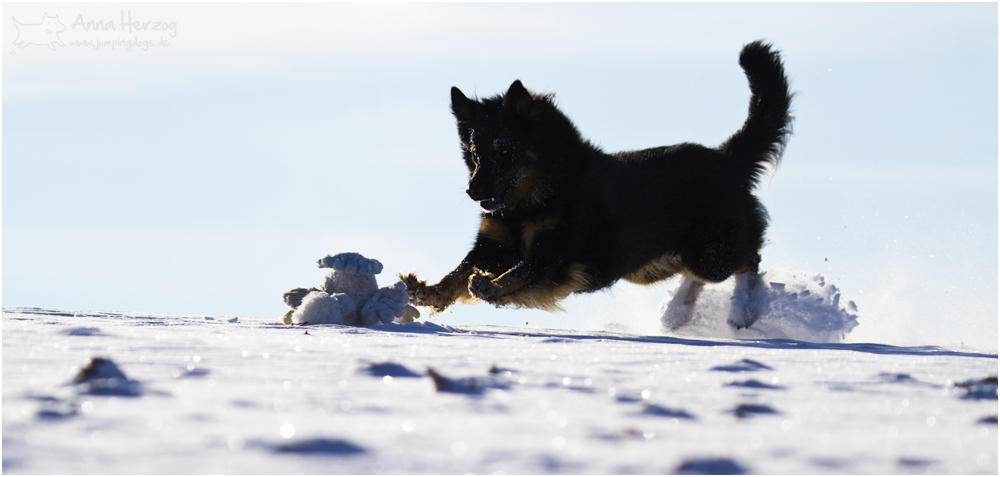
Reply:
x=746, y=410
x=83, y=331
x=710, y=467
x=655, y=410
x=745, y=365
x=913, y=463
x=754, y=384
x=562, y=385
x=895, y=378
x=394, y=370
x=622, y=397
x=903, y=378
x=627, y=433
x=191, y=372
x=985, y=388
x=47, y=414
x=321, y=446
x=472, y=385
x=827, y=462
x=55, y=409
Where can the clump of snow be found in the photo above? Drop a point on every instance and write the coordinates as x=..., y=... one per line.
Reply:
x=792, y=305
x=351, y=263
x=350, y=296
x=352, y=274
x=419, y=327
x=321, y=308
x=386, y=306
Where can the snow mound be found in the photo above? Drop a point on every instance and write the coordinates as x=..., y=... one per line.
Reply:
x=102, y=377
x=417, y=327
x=793, y=305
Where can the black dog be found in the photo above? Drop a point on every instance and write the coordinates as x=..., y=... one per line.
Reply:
x=561, y=216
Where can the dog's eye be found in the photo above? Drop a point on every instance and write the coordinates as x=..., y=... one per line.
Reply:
x=503, y=152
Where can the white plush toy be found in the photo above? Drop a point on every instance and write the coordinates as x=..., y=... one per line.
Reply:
x=349, y=296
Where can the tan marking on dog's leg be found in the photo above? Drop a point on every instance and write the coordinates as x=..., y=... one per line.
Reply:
x=454, y=287
x=545, y=296
x=508, y=282
x=468, y=299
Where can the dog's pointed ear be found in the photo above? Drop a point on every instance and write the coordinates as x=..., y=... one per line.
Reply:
x=461, y=106
x=518, y=99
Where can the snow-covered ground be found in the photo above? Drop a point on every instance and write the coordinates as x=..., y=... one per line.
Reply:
x=215, y=394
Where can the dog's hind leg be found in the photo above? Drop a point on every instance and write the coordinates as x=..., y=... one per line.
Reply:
x=680, y=308
x=745, y=308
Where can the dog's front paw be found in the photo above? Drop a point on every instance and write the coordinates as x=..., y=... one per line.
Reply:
x=482, y=287
x=416, y=288
x=422, y=294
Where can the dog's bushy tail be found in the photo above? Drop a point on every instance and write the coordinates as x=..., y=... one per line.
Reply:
x=761, y=141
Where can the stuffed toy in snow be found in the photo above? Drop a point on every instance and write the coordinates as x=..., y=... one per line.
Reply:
x=349, y=296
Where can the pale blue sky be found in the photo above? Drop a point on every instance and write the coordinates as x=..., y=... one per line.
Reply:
x=206, y=176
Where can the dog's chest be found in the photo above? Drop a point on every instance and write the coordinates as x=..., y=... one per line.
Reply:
x=521, y=235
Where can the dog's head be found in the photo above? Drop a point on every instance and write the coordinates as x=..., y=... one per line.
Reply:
x=497, y=144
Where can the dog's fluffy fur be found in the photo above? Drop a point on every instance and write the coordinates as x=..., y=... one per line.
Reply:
x=561, y=216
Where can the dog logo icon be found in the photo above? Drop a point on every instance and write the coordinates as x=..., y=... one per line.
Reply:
x=44, y=33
